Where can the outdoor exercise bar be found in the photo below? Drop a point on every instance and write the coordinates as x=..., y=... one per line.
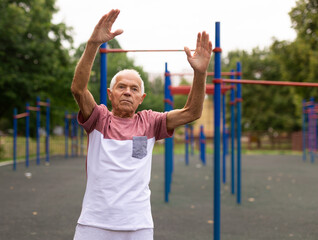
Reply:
x=208, y=74
x=268, y=82
x=118, y=50
x=217, y=102
x=26, y=115
x=232, y=103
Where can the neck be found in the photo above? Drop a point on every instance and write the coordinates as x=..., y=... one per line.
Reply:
x=123, y=114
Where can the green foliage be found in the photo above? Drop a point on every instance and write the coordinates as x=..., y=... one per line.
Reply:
x=33, y=59
x=264, y=107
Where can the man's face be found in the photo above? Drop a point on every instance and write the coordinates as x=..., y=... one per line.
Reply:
x=126, y=95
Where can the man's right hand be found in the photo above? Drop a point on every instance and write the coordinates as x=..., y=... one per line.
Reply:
x=103, y=30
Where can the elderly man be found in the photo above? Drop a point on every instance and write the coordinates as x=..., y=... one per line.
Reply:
x=116, y=204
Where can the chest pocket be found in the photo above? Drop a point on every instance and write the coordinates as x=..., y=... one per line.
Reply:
x=139, y=149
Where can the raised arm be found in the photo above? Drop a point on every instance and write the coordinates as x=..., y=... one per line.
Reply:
x=102, y=33
x=199, y=61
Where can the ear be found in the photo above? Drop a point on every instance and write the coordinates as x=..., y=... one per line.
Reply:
x=109, y=94
x=142, y=98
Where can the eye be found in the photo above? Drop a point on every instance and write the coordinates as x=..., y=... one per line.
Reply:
x=135, y=89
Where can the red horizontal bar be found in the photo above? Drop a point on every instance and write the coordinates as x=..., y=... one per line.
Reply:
x=117, y=50
x=265, y=82
x=209, y=74
x=45, y=104
x=33, y=108
x=185, y=89
x=21, y=115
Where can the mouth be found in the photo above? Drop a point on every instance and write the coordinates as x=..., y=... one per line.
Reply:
x=126, y=101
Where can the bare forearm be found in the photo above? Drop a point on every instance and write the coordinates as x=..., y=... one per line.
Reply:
x=193, y=107
x=196, y=96
x=84, y=67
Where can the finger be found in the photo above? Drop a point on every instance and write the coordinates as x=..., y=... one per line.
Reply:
x=198, y=40
x=118, y=32
x=188, y=52
x=205, y=39
x=210, y=47
x=101, y=21
x=114, y=16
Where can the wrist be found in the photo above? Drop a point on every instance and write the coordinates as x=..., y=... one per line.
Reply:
x=200, y=73
x=91, y=43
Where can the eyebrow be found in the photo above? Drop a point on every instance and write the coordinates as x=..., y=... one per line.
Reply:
x=124, y=84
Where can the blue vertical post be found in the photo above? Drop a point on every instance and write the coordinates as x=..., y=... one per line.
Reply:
x=47, y=147
x=82, y=143
x=304, y=130
x=232, y=96
x=223, y=137
x=202, y=145
x=168, y=141
x=66, y=130
x=27, y=134
x=73, y=136
x=312, y=129
x=76, y=135
x=186, y=140
x=191, y=139
x=38, y=125
x=103, y=75
x=15, y=133
x=217, y=117
x=239, y=110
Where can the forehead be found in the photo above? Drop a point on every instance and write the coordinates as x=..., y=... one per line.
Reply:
x=129, y=78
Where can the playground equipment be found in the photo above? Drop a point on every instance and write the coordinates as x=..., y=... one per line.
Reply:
x=26, y=115
x=215, y=89
x=202, y=145
x=70, y=120
x=309, y=129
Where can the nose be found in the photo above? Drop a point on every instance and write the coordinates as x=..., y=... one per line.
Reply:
x=127, y=92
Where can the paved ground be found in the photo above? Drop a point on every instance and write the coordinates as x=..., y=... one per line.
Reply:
x=279, y=200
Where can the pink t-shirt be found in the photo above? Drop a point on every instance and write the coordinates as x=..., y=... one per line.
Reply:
x=119, y=156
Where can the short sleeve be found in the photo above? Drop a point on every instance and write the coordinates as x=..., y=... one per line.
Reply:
x=160, y=125
x=91, y=123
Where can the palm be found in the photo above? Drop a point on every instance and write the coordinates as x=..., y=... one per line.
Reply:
x=201, y=57
x=103, y=30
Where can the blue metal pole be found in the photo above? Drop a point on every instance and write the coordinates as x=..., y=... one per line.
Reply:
x=103, y=75
x=73, y=136
x=66, y=133
x=223, y=138
x=304, y=130
x=15, y=133
x=232, y=135
x=186, y=138
x=191, y=140
x=312, y=130
x=239, y=108
x=76, y=135
x=82, y=143
x=168, y=141
x=202, y=145
x=217, y=110
x=27, y=134
x=38, y=125
x=48, y=130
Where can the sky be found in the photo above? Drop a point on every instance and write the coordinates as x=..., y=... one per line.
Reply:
x=173, y=24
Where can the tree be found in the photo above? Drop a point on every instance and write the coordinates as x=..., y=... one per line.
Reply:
x=264, y=107
x=299, y=59
x=33, y=58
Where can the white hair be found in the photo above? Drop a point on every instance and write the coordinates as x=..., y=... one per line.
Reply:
x=133, y=71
